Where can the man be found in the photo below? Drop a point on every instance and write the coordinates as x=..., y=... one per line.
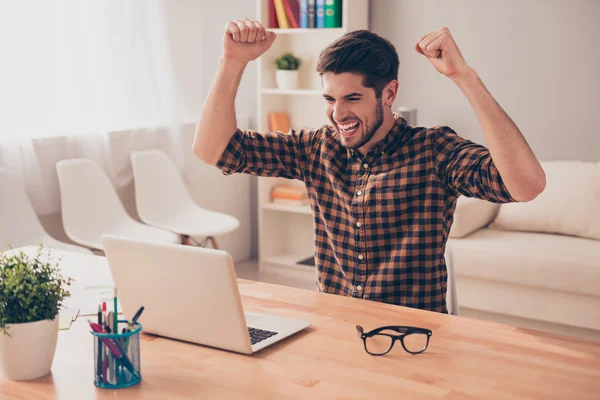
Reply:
x=383, y=193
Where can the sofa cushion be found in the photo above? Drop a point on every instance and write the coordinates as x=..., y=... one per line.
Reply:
x=471, y=214
x=556, y=262
x=569, y=205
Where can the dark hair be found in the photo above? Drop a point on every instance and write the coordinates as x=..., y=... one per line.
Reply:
x=365, y=53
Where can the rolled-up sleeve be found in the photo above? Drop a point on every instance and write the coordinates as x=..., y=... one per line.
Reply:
x=273, y=154
x=467, y=168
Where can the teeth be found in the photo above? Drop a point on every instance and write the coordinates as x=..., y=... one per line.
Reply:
x=348, y=127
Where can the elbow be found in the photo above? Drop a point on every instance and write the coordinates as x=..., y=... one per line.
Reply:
x=200, y=150
x=197, y=150
x=533, y=189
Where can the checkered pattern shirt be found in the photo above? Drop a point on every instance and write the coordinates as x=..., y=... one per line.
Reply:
x=382, y=220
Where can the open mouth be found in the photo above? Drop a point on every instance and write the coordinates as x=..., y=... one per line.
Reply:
x=349, y=129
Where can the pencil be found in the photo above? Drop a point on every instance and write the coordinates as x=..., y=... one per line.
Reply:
x=116, y=328
x=115, y=318
x=99, y=363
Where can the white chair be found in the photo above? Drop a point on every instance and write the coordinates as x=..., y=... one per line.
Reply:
x=162, y=200
x=451, y=292
x=91, y=207
x=19, y=225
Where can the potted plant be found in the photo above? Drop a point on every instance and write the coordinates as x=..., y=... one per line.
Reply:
x=287, y=71
x=31, y=294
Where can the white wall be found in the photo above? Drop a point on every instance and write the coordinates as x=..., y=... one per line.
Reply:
x=196, y=42
x=538, y=58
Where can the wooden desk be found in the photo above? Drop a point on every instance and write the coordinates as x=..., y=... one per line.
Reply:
x=466, y=359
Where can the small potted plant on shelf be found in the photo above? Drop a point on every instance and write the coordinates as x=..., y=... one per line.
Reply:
x=31, y=294
x=287, y=71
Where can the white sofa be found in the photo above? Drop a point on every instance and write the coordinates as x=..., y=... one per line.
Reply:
x=538, y=260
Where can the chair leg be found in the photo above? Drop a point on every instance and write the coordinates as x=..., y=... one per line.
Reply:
x=185, y=239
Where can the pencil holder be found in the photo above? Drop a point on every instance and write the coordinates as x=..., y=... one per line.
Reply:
x=117, y=358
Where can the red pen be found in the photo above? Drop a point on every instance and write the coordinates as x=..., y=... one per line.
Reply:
x=104, y=370
x=109, y=343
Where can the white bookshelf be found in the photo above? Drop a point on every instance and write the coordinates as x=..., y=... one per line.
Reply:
x=286, y=233
x=302, y=31
x=288, y=208
x=293, y=92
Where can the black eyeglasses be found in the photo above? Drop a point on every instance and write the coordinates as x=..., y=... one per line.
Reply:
x=381, y=340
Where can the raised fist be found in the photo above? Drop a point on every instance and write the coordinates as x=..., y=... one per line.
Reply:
x=246, y=40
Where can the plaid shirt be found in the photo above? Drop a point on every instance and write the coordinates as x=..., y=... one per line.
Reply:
x=381, y=220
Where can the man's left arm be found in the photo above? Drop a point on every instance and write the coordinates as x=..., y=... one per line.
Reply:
x=520, y=170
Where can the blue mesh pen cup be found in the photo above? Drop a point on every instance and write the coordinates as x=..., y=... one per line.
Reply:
x=117, y=358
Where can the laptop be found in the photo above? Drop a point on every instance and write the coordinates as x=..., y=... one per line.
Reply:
x=191, y=294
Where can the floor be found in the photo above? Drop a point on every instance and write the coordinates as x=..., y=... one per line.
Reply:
x=304, y=279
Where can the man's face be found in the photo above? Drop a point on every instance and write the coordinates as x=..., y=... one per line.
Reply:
x=352, y=108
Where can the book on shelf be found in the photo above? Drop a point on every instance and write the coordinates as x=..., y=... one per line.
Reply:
x=272, y=15
x=303, y=13
x=290, y=195
x=333, y=13
x=281, y=15
x=313, y=13
x=320, y=12
x=292, y=10
x=289, y=192
x=279, y=122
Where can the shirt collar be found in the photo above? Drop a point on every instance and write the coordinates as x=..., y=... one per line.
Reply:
x=388, y=144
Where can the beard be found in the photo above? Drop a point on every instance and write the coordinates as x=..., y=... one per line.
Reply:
x=368, y=131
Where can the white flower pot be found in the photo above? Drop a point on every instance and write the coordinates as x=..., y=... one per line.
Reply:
x=286, y=79
x=29, y=350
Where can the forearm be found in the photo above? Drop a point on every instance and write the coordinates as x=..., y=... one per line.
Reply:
x=217, y=118
x=519, y=168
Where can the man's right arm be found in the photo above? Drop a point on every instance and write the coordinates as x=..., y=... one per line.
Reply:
x=243, y=41
x=217, y=119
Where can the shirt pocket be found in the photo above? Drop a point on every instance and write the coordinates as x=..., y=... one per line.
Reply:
x=399, y=204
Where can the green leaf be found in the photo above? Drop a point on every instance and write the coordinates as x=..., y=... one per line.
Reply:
x=287, y=61
x=31, y=288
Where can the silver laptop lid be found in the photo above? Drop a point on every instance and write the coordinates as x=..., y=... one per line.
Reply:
x=189, y=293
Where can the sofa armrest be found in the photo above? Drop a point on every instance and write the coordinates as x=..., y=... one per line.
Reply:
x=471, y=215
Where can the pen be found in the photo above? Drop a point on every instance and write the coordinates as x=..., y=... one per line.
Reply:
x=115, y=349
x=132, y=322
x=137, y=315
x=125, y=330
x=110, y=328
x=105, y=370
x=115, y=312
x=103, y=365
x=110, y=321
x=99, y=364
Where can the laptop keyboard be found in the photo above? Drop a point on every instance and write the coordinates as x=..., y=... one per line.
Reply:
x=258, y=335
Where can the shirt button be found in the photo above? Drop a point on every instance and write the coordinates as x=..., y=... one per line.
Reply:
x=365, y=166
x=359, y=288
x=359, y=193
x=360, y=256
x=358, y=224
